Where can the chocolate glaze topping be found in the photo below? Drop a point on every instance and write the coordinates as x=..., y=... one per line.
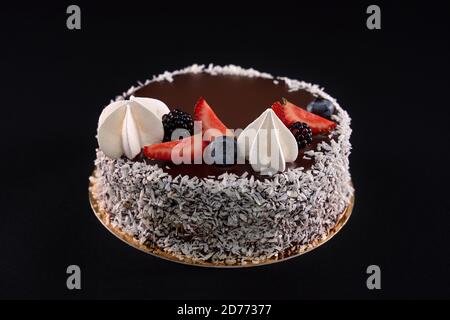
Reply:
x=237, y=101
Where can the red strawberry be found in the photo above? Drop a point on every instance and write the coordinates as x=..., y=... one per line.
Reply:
x=290, y=113
x=204, y=113
x=163, y=151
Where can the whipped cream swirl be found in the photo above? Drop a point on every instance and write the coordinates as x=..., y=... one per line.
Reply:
x=268, y=144
x=125, y=126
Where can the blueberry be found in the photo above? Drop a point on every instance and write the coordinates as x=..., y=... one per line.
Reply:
x=321, y=107
x=224, y=150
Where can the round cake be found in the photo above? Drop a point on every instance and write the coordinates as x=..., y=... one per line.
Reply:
x=223, y=165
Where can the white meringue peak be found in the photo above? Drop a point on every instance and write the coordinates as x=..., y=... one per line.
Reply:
x=158, y=107
x=268, y=144
x=131, y=142
x=125, y=126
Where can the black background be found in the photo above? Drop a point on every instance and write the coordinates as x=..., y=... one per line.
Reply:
x=393, y=81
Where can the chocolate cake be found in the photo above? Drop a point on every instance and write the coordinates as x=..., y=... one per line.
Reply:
x=262, y=208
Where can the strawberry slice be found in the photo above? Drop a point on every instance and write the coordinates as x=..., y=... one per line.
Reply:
x=178, y=148
x=211, y=125
x=290, y=113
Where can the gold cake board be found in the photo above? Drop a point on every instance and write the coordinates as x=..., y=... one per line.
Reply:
x=281, y=256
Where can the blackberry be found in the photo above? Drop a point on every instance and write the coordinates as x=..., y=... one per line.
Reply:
x=302, y=133
x=176, y=119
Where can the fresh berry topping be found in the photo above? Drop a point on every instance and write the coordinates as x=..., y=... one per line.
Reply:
x=321, y=107
x=174, y=120
x=302, y=134
x=290, y=113
x=163, y=151
x=211, y=124
x=223, y=151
